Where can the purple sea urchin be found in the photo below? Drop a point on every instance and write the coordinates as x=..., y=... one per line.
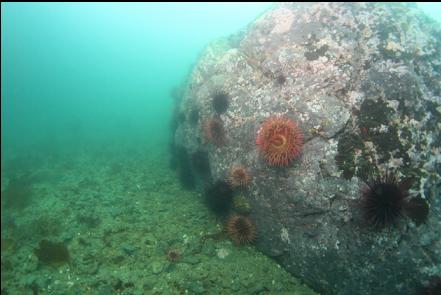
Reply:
x=239, y=176
x=214, y=131
x=173, y=255
x=241, y=229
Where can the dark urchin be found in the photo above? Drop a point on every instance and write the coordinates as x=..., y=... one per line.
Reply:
x=201, y=162
x=383, y=201
x=221, y=101
x=214, y=131
x=218, y=197
x=280, y=79
x=241, y=229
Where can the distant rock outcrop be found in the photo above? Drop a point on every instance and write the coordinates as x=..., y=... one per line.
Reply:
x=363, y=84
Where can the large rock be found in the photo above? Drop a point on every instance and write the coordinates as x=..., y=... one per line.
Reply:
x=363, y=83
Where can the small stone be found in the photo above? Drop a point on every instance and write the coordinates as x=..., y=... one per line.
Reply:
x=222, y=253
x=128, y=249
x=209, y=248
x=157, y=267
x=105, y=290
x=235, y=286
x=257, y=289
x=191, y=260
x=90, y=269
x=150, y=240
x=197, y=288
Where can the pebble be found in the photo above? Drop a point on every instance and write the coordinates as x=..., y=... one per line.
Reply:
x=150, y=240
x=192, y=260
x=197, y=288
x=157, y=267
x=128, y=249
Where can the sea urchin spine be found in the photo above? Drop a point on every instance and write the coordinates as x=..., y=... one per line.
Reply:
x=221, y=101
x=241, y=229
x=239, y=176
x=280, y=140
x=218, y=196
x=173, y=255
x=383, y=201
x=214, y=131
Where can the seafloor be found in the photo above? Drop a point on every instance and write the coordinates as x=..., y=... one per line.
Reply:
x=119, y=211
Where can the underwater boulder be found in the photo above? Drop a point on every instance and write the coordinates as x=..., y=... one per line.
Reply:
x=360, y=82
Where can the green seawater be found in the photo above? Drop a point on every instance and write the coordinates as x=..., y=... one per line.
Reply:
x=92, y=74
x=89, y=203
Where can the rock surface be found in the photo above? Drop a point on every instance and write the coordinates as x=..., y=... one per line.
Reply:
x=363, y=81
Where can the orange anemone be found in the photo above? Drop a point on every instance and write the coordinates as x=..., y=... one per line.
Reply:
x=280, y=140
